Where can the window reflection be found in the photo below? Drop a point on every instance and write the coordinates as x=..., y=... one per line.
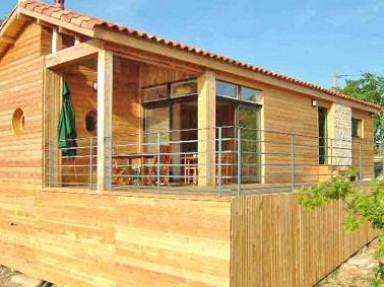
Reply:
x=224, y=89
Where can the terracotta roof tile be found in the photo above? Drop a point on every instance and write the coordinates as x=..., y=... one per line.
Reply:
x=91, y=23
x=58, y=14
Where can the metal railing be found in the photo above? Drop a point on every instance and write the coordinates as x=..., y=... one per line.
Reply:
x=225, y=160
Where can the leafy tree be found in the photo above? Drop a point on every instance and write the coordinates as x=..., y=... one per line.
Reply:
x=369, y=87
x=1, y=20
x=361, y=208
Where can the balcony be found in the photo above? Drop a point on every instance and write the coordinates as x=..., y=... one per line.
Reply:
x=240, y=161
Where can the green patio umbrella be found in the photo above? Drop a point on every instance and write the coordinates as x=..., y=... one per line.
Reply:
x=67, y=126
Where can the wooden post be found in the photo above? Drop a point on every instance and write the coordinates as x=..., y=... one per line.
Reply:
x=104, y=119
x=57, y=41
x=52, y=108
x=207, y=128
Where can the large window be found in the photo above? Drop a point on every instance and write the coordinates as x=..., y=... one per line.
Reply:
x=357, y=128
x=171, y=109
x=239, y=107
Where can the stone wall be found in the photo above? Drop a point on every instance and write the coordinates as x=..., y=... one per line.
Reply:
x=340, y=125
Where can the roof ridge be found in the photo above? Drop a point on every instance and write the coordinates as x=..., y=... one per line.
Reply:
x=91, y=23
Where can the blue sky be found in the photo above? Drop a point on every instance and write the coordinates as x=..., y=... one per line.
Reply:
x=307, y=39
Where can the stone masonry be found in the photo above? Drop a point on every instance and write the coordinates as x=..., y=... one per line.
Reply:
x=340, y=119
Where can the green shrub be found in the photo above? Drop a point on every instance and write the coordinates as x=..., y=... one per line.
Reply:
x=362, y=207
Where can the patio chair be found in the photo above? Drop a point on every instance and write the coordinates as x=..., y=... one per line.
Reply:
x=120, y=174
x=165, y=161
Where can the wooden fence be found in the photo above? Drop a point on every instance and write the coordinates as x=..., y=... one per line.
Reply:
x=275, y=242
x=74, y=238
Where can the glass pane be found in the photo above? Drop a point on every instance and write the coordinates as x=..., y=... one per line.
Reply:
x=155, y=93
x=249, y=120
x=157, y=119
x=184, y=141
x=225, y=118
x=250, y=95
x=184, y=89
x=226, y=90
x=322, y=135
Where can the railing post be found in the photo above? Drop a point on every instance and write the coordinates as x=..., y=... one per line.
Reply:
x=220, y=131
x=292, y=162
x=91, y=164
x=238, y=161
x=158, y=162
x=108, y=163
x=361, y=165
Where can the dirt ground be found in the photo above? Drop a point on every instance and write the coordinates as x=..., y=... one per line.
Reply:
x=358, y=271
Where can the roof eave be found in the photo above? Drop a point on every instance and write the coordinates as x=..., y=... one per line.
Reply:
x=57, y=22
x=142, y=41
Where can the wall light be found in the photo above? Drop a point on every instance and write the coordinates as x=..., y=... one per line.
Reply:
x=314, y=103
x=94, y=86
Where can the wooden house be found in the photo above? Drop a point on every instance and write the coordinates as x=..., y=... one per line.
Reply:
x=169, y=140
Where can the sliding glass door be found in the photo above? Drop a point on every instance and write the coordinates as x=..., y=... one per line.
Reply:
x=249, y=120
x=230, y=116
x=171, y=110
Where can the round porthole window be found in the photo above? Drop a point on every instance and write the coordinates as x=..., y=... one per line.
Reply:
x=91, y=122
x=18, y=120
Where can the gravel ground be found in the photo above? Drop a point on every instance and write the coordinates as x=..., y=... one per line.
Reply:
x=6, y=278
x=9, y=278
x=358, y=271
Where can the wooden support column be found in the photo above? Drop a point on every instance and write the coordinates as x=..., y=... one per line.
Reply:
x=57, y=41
x=53, y=86
x=104, y=119
x=207, y=128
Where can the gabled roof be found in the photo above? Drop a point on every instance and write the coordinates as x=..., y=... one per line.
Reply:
x=88, y=25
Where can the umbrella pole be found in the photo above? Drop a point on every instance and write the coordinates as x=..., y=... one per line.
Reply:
x=74, y=169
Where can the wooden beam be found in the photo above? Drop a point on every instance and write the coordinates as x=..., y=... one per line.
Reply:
x=104, y=119
x=153, y=59
x=77, y=40
x=7, y=40
x=215, y=65
x=72, y=55
x=57, y=41
x=207, y=128
x=57, y=22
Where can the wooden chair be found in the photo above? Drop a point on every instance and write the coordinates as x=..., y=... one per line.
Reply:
x=228, y=168
x=190, y=170
x=120, y=175
x=165, y=161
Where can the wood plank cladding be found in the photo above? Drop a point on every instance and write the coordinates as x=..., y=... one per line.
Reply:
x=76, y=239
x=286, y=112
x=80, y=239
x=275, y=242
x=21, y=84
x=363, y=150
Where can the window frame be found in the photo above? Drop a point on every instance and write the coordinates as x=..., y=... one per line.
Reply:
x=239, y=96
x=168, y=86
x=359, y=128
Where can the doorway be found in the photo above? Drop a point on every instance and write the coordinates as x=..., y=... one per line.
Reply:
x=231, y=115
